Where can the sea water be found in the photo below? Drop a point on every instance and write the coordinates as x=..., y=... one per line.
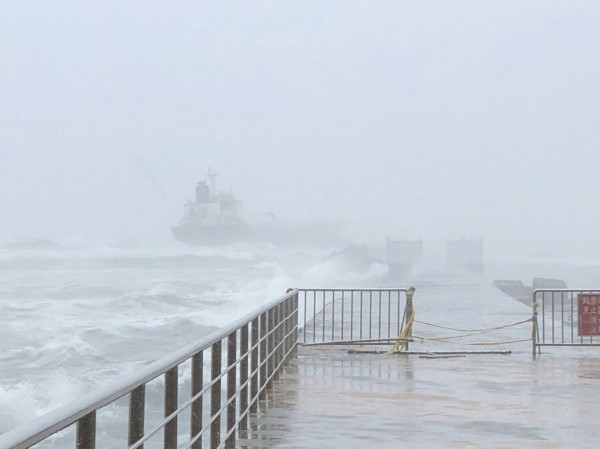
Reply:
x=73, y=319
x=76, y=318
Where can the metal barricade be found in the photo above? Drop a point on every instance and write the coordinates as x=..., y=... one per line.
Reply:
x=244, y=360
x=565, y=317
x=351, y=316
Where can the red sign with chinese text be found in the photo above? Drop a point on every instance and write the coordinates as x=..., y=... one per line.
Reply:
x=588, y=314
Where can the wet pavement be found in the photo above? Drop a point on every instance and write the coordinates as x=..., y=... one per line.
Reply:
x=328, y=398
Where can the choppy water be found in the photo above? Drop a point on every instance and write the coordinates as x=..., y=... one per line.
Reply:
x=73, y=319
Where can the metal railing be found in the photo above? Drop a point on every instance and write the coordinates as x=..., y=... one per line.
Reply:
x=245, y=359
x=352, y=316
x=556, y=318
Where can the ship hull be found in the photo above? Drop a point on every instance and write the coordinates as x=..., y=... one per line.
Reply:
x=209, y=235
x=276, y=234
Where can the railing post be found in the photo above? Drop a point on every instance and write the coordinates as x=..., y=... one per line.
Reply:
x=277, y=341
x=231, y=388
x=254, y=367
x=286, y=328
x=295, y=322
x=409, y=311
x=270, y=346
x=215, y=396
x=263, y=355
x=284, y=323
x=351, y=314
x=137, y=400
x=534, y=325
x=86, y=431
x=243, y=400
x=170, y=435
x=290, y=326
x=196, y=414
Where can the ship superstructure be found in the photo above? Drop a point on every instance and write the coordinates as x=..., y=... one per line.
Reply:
x=212, y=207
x=213, y=217
x=216, y=218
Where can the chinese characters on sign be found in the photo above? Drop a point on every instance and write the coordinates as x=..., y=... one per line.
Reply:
x=588, y=314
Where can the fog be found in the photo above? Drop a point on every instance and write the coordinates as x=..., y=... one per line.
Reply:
x=433, y=120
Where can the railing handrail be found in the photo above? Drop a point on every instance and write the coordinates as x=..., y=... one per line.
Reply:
x=40, y=428
x=558, y=325
x=376, y=289
x=566, y=290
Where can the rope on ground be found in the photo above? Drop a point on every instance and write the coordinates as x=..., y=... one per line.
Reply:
x=488, y=329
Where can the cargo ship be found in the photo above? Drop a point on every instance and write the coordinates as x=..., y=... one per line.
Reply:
x=216, y=218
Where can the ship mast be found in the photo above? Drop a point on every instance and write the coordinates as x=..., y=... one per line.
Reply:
x=212, y=175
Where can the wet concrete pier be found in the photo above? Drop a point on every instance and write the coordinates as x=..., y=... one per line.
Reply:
x=328, y=398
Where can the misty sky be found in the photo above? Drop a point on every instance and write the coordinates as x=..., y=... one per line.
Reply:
x=436, y=119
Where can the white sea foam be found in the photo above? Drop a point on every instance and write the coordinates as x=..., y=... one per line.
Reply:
x=74, y=318
x=90, y=316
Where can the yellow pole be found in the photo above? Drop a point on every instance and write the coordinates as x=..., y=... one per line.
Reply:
x=406, y=333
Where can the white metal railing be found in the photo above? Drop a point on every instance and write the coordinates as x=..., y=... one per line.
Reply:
x=244, y=360
x=352, y=316
x=558, y=318
x=256, y=348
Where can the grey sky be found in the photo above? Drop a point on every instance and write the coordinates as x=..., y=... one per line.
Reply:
x=436, y=119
